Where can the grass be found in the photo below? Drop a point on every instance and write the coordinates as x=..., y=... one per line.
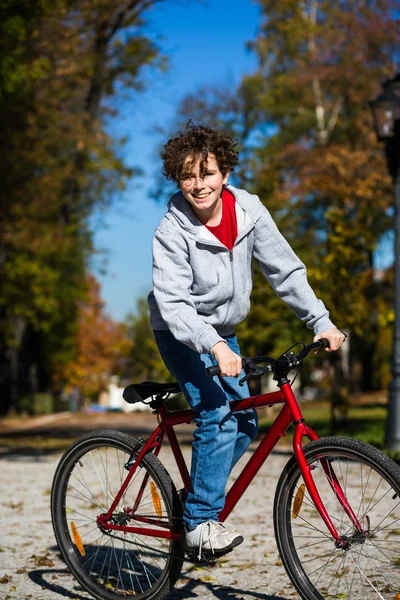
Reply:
x=38, y=444
x=366, y=420
x=366, y=423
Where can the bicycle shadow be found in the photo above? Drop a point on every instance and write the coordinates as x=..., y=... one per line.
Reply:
x=38, y=577
x=48, y=579
x=223, y=592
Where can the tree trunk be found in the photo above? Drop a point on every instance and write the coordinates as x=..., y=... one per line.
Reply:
x=14, y=354
x=340, y=400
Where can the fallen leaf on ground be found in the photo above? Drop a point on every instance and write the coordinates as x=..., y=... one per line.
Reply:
x=42, y=561
x=15, y=505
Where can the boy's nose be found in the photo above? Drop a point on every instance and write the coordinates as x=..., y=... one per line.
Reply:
x=199, y=183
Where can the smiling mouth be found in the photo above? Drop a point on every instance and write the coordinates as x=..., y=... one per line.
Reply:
x=201, y=196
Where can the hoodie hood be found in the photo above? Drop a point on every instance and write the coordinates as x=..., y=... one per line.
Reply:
x=179, y=212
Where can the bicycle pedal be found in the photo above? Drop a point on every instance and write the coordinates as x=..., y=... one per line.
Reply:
x=206, y=558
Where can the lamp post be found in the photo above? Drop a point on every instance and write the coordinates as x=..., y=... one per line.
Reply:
x=386, y=115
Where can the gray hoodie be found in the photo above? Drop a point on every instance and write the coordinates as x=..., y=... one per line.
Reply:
x=201, y=290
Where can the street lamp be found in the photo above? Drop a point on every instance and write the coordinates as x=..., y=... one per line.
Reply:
x=386, y=115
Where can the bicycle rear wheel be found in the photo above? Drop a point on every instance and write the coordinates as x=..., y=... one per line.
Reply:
x=108, y=563
x=370, y=566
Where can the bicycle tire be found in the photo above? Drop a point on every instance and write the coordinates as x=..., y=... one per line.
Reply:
x=86, y=481
x=370, y=567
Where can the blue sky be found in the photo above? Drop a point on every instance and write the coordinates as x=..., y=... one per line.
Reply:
x=206, y=45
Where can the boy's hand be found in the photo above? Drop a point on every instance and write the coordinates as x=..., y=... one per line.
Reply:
x=229, y=362
x=335, y=337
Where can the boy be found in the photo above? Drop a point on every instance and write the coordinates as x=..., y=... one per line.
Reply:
x=202, y=260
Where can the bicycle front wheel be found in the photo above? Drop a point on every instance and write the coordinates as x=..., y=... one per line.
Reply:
x=369, y=565
x=112, y=564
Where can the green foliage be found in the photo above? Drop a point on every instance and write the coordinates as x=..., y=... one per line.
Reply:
x=309, y=151
x=100, y=347
x=366, y=423
x=319, y=66
x=61, y=64
x=145, y=363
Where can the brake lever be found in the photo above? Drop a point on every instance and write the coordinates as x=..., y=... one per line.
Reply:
x=252, y=371
x=247, y=378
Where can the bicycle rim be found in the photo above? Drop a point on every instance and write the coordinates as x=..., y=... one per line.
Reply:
x=112, y=564
x=369, y=567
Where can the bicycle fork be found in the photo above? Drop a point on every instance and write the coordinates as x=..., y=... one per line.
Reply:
x=302, y=430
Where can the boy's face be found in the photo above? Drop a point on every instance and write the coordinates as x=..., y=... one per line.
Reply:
x=203, y=192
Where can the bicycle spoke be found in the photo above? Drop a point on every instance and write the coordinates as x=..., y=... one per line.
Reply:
x=311, y=545
x=355, y=574
x=367, y=567
x=312, y=527
x=85, y=485
x=132, y=568
x=108, y=494
x=381, y=551
x=376, y=530
x=388, y=491
x=95, y=471
x=105, y=558
x=334, y=576
x=77, y=512
x=323, y=567
x=367, y=579
x=313, y=559
x=119, y=563
x=377, y=565
x=83, y=497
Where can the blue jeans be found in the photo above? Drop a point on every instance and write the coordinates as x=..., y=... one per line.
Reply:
x=221, y=437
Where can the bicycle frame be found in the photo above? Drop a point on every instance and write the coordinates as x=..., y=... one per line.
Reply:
x=289, y=414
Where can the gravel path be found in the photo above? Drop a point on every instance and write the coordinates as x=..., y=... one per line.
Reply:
x=30, y=565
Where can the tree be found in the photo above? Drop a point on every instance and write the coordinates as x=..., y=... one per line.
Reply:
x=100, y=347
x=312, y=158
x=61, y=65
x=145, y=363
x=320, y=64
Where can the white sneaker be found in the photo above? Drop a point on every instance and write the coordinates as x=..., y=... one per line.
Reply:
x=212, y=539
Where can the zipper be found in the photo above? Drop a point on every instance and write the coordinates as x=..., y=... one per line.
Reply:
x=232, y=273
x=233, y=286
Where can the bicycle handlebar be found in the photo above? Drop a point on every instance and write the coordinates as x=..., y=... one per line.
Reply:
x=291, y=360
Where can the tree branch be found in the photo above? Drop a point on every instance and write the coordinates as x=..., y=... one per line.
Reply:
x=137, y=5
x=334, y=115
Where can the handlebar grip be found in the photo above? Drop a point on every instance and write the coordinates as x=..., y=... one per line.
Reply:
x=212, y=371
x=215, y=370
x=324, y=343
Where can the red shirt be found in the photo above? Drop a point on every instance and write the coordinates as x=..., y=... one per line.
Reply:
x=226, y=232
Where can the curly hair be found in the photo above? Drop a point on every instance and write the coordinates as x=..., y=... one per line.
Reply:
x=198, y=141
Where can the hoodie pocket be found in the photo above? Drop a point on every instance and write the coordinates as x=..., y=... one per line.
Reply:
x=209, y=300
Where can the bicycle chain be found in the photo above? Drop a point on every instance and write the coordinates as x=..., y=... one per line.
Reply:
x=192, y=558
x=145, y=546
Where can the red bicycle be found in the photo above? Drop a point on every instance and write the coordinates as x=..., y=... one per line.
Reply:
x=117, y=516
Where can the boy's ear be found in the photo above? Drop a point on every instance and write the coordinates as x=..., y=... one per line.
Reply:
x=225, y=180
